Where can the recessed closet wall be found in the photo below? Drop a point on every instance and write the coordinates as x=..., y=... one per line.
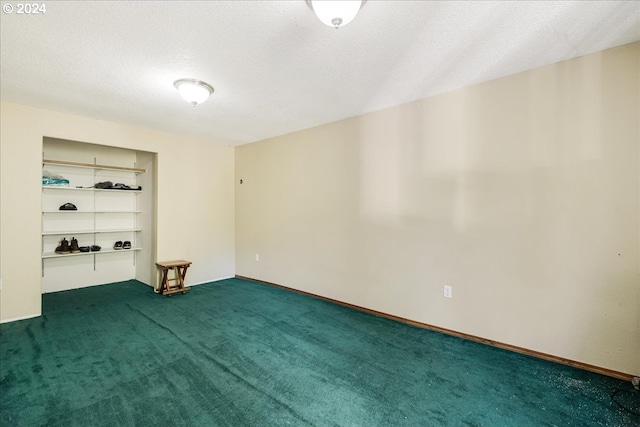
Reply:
x=103, y=216
x=193, y=194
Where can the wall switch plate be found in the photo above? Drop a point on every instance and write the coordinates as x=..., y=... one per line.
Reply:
x=257, y=257
x=448, y=291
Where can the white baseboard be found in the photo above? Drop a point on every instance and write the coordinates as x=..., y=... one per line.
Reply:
x=210, y=281
x=15, y=319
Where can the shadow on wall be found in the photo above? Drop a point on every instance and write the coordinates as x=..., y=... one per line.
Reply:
x=503, y=153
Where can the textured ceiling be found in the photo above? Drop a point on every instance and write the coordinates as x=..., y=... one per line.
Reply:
x=277, y=69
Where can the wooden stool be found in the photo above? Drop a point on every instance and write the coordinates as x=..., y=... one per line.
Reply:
x=180, y=271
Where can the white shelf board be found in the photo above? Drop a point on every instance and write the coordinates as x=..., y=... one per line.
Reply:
x=119, y=230
x=57, y=187
x=102, y=251
x=91, y=212
x=92, y=166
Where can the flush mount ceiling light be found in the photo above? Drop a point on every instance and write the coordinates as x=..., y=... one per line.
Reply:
x=336, y=13
x=193, y=91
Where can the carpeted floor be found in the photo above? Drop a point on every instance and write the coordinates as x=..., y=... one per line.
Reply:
x=239, y=353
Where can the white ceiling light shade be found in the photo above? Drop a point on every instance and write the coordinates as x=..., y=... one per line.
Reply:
x=336, y=13
x=193, y=91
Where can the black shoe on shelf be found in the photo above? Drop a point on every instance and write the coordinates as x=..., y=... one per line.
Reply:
x=119, y=186
x=105, y=185
x=118, y=245
x=95, y=248
x=84, y=248
x=126, y=245
x=64, y=247
x=74, y=246
x=68, y=207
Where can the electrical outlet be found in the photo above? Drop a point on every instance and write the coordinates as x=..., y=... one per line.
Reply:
x=448, y=291
x=257, y=257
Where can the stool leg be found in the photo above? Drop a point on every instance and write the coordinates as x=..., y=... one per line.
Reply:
x=165, y=280
x=180, y=276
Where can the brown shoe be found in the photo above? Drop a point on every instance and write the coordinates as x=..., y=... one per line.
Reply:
x=64, y=247
x=74, y=246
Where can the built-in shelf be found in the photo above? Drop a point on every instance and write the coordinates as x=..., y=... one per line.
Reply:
x=68, y=220
x=91, y=212
x=92, y=166
x=112, y=190
x=74, y=232
x=100, y=252
x=125, y=212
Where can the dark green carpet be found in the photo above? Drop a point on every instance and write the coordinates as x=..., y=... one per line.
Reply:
x=239, y=353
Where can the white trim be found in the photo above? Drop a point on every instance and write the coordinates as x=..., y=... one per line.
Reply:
x=15, y=319
x=209, y=281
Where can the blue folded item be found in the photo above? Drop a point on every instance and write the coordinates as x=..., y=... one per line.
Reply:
x=54, y=179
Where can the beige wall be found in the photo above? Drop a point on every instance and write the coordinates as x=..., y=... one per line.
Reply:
x=522, y=193
x=195, y=198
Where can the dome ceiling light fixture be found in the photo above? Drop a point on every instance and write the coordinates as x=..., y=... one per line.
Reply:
x=193, y=91
x=336, y=13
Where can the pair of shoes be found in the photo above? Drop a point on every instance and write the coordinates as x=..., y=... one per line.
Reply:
x=68, y=248
x=68, y=207
x=120, y=245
